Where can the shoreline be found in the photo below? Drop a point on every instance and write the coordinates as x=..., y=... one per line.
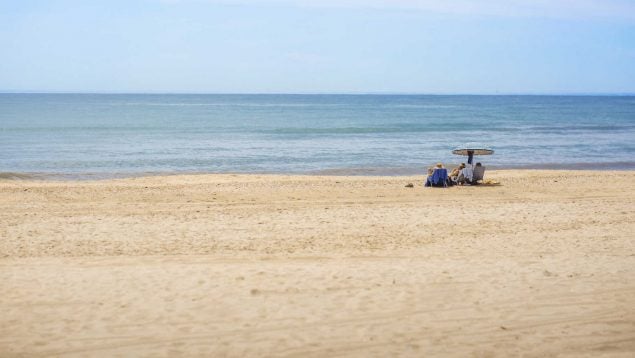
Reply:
x=352, y=171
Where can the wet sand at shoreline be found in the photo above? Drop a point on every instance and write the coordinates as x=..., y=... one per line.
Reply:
x=273, y=265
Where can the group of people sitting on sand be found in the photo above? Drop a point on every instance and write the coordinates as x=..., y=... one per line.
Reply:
x=462, y=175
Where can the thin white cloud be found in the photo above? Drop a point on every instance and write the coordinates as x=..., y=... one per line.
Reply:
x=589, y=9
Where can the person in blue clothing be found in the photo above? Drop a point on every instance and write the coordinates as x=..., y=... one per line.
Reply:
x=429, y=178
x=439, y=177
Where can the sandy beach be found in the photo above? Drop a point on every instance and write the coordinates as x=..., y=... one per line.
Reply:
x=269, y=265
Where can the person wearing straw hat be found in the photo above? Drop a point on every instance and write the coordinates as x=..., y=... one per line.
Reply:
x=439, y=177
x=454, y=174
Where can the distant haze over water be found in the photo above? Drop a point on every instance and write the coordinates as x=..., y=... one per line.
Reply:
x=105, y=135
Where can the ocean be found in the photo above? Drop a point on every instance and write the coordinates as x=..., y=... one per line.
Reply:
x=114, y=135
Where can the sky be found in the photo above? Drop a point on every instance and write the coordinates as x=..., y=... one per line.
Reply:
x=318, y=46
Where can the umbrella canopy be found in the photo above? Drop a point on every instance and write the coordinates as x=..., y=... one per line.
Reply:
x=475, y=151
x=471, y=151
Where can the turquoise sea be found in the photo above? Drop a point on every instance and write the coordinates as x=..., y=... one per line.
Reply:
x=106, y=135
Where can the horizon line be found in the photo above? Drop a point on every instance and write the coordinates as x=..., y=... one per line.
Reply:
x=371, y=93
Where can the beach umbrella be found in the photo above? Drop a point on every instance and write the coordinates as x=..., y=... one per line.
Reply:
x=471, y=151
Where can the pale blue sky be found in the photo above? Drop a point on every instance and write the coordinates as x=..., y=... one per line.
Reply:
x=302, y=46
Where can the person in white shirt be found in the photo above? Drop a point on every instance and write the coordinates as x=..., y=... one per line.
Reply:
x=466, y=175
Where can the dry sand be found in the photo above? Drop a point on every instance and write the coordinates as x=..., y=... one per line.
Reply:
x=251, y=265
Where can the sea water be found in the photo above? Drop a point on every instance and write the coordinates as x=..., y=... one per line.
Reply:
x=104, y=135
